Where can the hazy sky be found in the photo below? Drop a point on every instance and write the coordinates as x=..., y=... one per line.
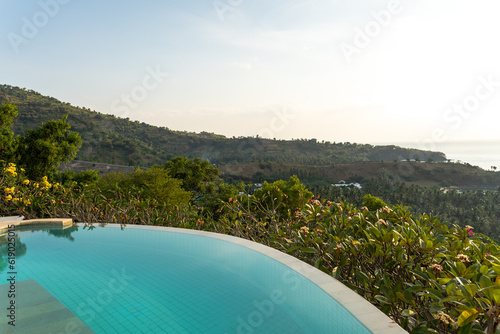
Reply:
x=407, y=71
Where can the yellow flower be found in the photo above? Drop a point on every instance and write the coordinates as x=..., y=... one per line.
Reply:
x=22, y=170
x=27, y=202
x=11, y=169
x=26, y=182
x=45, y=184
x=53, y=201
x=15, y=199
x=8, y=198
x=9, y=190
x=35, y=184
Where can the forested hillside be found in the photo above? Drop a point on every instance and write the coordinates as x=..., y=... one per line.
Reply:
x=109, y=139
x=463, y=176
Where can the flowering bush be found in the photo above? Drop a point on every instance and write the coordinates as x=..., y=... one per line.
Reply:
x=281, y=197
x=85, y=203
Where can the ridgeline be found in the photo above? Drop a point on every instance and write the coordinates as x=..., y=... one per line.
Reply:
x=113, y=140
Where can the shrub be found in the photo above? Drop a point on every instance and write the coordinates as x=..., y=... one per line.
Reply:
x=283, y=197
x=372, y=202
x=152, y=184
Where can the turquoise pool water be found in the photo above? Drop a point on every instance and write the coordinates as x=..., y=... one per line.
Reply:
x=151, y=281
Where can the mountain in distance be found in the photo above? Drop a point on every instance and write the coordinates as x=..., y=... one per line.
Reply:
x=114, y=140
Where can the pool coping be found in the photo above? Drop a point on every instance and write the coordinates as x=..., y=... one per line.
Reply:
x=11, y=223
x=370, y=316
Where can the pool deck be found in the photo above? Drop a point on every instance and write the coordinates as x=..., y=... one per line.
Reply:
x=369, y=315
x=14, y=222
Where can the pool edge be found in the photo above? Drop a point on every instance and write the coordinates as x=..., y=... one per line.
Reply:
x=369, y=315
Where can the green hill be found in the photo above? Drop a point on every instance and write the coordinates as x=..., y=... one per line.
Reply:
x=109, y=139
x=463, y=176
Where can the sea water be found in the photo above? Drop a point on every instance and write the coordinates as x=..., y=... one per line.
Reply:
x=484, y=154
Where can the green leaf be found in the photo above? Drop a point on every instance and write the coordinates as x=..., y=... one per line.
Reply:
x=435, y=293
x=336, y=272
x=293, y=248
x=472, y=289
x=451, y=298
x=451, y=288
x=467, y=316
x=484, y=270
x=485, y=282
x=496, y=295
x=308, y=250
x=461, y=268
x=435, y=309
x=382, y=300
x=420, y=274
x=362, y=277
x=444, y=281
x=408, y=313
x=402, y=297
x=409, y=297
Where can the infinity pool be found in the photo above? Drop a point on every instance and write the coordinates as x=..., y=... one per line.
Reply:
x=136, y=280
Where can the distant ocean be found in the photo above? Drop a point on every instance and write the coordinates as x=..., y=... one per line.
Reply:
x=482, y=154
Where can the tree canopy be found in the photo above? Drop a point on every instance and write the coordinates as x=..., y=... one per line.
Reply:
x=196, y=174
x=7, y=143
x=282, y=196
x=42, y=150
x=153, y=184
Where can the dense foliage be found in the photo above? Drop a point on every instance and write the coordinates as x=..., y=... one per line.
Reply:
x=7, y=143
x=280, y=197
x=154, y=184
x=443, y=174
x=196, y=175
x=41, y=150
x=477, y=208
